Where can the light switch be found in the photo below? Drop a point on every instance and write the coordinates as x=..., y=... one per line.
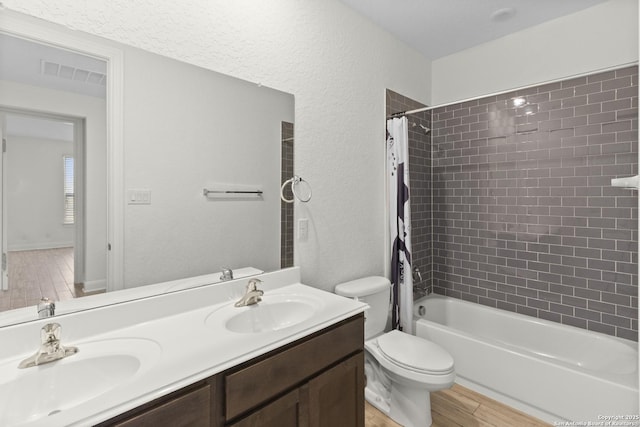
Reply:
x=139, y=197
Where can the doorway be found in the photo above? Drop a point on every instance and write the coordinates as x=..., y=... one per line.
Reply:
x=42, y=228
x=66, y=73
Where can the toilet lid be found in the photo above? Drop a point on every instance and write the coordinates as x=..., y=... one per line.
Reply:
x=415, y=353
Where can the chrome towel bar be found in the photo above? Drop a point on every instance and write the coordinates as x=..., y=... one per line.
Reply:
x=206, y=192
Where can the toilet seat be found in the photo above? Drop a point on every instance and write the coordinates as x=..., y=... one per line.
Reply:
x=415, y=353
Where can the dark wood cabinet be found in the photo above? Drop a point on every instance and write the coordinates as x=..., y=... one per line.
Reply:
x=316, y=381
x=285, y=411
x=335, y=397
x=190, y=409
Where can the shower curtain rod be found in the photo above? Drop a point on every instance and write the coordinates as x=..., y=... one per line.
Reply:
x=406, y=113
x=420, y=110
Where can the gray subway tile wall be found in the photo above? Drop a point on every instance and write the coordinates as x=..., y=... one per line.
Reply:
x=286, y=209
x=524, y=216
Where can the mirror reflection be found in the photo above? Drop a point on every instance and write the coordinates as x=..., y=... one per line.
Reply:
x=185, y=130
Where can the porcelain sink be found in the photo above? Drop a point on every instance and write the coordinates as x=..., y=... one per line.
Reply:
x=34, y=393
x=275, y=312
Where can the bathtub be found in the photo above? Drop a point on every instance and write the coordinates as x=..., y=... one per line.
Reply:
x=551, y=371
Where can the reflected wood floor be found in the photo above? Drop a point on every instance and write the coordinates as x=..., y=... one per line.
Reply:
x=461, y=407
x=39, y=273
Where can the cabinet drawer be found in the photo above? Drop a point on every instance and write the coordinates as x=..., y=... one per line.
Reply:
x=264, y=379
x=191, y=409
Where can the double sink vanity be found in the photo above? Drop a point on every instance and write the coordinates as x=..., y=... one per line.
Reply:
x=295, y=357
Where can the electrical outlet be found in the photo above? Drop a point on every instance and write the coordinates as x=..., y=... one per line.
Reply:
x=303, y=229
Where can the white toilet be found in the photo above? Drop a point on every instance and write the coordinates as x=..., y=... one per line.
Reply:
x=401, y=369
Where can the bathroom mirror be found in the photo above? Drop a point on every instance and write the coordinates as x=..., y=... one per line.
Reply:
x=184, y=130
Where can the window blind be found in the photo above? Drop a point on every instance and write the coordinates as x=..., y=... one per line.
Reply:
x=69, y=194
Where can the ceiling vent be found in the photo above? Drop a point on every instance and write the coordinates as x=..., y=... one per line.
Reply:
x=66, y=72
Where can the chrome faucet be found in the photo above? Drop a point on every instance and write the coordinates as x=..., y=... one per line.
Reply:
x=50, y=348
x=227, y=274
x=46, y=308
x=253, y=294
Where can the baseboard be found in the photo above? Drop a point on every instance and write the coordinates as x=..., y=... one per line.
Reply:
x=95, y=285
x=36, y=246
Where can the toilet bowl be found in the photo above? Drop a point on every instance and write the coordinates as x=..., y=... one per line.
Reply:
x=410, y=368
x=401, y=369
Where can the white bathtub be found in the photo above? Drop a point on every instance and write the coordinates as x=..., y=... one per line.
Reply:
x=551, y=371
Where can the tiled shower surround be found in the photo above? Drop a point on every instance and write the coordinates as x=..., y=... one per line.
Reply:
x=420, y=184
x=524, y=216
x=286, y=209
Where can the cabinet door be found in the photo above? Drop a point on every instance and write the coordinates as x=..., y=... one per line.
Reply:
x=336, y=397
x=189, y=410
x=283, y=412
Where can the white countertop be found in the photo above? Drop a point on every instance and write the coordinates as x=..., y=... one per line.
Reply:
x=191, y=349
x=27, y=314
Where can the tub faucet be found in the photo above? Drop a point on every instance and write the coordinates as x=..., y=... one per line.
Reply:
x=46, y=308
x=253, y=294
x=417, y=276
x=227, y=274
x=50, y=348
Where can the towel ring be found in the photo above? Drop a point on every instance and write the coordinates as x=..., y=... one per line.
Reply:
x=296, y=180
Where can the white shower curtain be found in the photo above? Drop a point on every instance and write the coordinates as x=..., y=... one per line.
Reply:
x=400, y=223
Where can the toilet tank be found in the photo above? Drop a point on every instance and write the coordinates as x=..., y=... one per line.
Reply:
x=374, y=291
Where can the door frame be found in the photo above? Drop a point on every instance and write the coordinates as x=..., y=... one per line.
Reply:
x=79, y=171
x=4, y=268
x=40, y=31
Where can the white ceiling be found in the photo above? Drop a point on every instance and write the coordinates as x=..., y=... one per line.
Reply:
x=439, y=28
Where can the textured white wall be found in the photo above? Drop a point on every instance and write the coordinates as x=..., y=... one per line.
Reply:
x=337, y=65
x=599, y=37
